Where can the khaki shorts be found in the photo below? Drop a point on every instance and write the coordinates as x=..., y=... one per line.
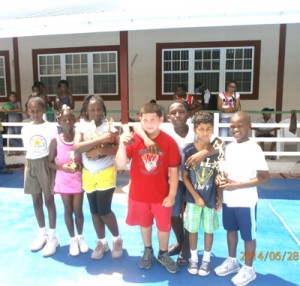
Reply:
x=38, y=178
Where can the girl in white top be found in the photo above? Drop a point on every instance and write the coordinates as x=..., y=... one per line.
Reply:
x=228, y=103
x=98, y=142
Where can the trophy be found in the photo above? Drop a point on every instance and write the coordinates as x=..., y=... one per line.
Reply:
x=221, y=162
x=72, y=163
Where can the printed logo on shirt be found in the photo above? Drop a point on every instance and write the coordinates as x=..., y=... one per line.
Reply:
x=202, y=175
x=38, y=144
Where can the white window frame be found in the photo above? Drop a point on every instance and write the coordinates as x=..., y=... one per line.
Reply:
x=90, y=74
x=191, y=67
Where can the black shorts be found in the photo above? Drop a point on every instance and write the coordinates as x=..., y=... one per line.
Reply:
x=100, y=201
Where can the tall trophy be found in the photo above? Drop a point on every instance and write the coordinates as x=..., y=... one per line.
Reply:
x=220, y=146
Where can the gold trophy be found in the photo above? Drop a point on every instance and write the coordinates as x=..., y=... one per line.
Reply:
x=72, y=163
x=221, y=162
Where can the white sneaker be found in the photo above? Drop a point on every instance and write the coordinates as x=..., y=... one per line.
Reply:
x=99, y=250
x=244, y=276
x=82, y=245
x=227, y=267
x=50, y=247
x=39, y=242
x=74, y=247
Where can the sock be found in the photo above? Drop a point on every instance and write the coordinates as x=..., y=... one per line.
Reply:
x=149, y=247
x=115, y=238
x=103, y=240
x=162, y=252
x=194, y=255
x=79, y=236
x=248, y=267
x=73, y=238
x=51, y=233
x=232, y=259
x=206, y=256
x=42, y=231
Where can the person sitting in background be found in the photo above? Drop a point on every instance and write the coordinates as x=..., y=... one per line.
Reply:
x=205, y=94
x=181, y=94
x=264, y=131
x=14, y=115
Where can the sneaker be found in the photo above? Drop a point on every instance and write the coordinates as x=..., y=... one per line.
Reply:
x=204, y=268
x=39, y=242
x=193, y=267
x=182, y=261
x=147, y=259
x=117, y=251
x=244, y=276
x=166, y=261
x=174, y=249
x=74, y=247
x=83, y=247
x=227, y=267
x=50, y=247
x=99, y=250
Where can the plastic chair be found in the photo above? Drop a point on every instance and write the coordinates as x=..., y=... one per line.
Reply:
x=284, y=132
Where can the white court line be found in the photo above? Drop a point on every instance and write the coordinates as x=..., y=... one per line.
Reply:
x=283, y=222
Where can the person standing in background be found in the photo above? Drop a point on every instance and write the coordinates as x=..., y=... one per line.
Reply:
x=63, y=96
x=228, y=103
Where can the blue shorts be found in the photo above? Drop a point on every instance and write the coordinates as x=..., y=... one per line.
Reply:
x=242, y=219
x=180, y=195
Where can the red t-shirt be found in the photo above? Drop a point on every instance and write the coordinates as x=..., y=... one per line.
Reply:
x=149, y=172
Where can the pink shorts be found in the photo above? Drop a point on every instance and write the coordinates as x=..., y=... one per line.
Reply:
x=142, y=214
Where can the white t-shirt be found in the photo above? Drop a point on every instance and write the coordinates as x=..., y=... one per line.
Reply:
x=242, y=161
x=94, y=166
x=181, y=141
x=37, y=139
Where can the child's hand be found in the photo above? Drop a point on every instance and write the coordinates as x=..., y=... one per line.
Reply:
x=196, y=159
x=127, y=138
x=200, y=202
x=93, y=154
x=169, y=201
x=108, y=138
x=151, y=146
x=68, y=168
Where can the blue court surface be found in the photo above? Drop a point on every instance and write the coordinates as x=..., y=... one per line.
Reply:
x=277, y=258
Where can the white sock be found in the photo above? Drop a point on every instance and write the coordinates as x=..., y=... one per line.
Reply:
x=115, y=238
x=42, y=231
x=73, y=238
x=103, y=240
x=206, y=256
x=194, y=255
x=248, y=267
x=79, y=236
x=233, y=259
x=51, y=233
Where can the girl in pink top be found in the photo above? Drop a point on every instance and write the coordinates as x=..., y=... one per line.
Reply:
x=68, y=179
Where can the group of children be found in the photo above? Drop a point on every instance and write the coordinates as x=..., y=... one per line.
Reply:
x=55, y=165
x=173, y=167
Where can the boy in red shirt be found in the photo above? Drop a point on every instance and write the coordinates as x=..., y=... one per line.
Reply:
x=154, y=180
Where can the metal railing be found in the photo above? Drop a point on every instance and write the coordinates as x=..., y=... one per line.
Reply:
x=279, y=139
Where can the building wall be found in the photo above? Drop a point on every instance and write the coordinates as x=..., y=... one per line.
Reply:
x=142, y=59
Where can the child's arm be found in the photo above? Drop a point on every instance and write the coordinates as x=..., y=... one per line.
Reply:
x=71, y=99
x=169, y=201
x=262, y=177
x=121, y=156
x=151, y=146
x=186, y=180
x=198, y=157
x=219, y=199
x=81, y=146
x=103, y=151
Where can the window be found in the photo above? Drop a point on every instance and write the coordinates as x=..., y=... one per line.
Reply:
x=4, y=75
x=211, y=63
x=89, y=72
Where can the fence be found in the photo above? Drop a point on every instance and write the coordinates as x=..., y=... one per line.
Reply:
x=279, y=139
